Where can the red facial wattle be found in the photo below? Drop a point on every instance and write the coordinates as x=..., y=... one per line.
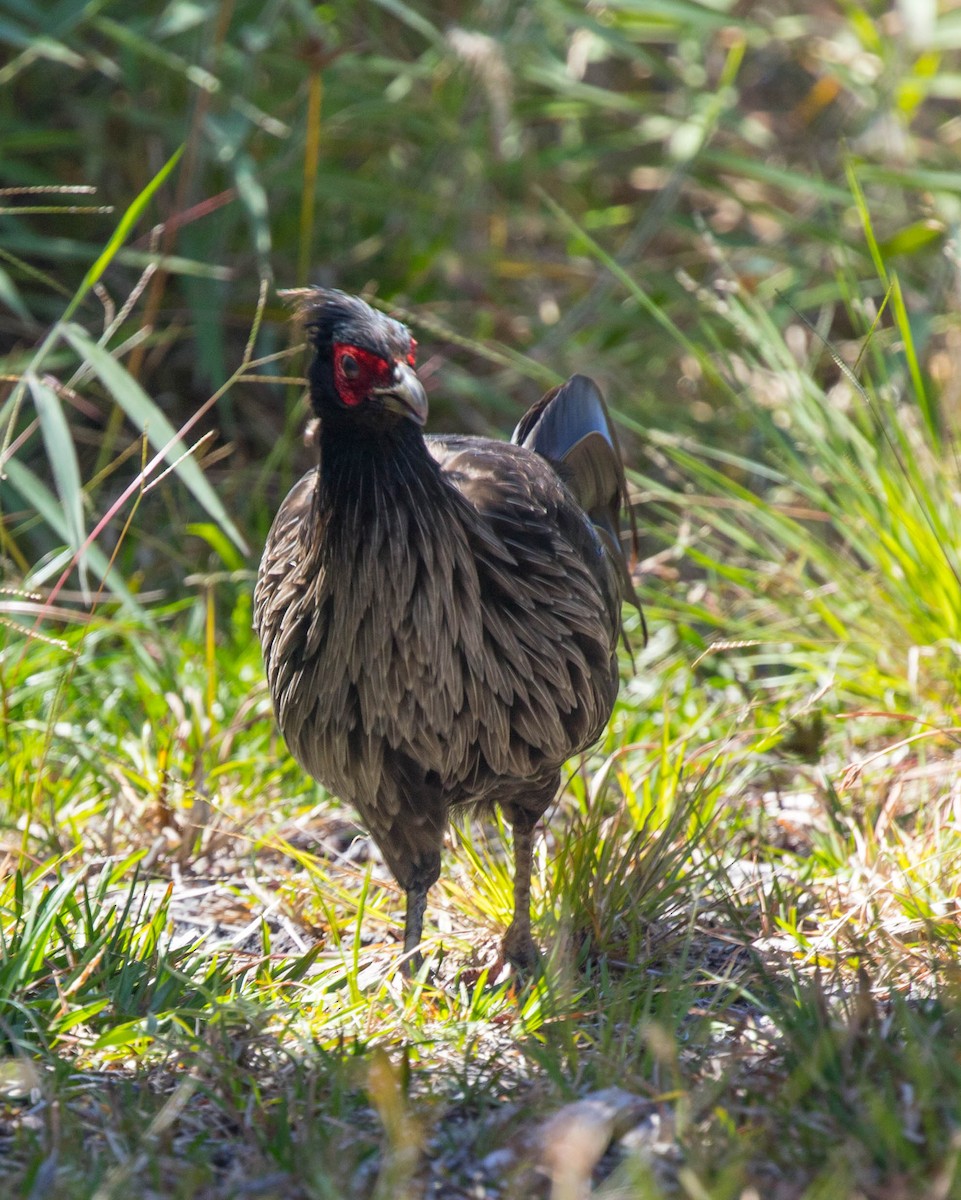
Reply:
x=357, y=372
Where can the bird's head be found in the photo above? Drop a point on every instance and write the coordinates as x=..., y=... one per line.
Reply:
x=363, y=366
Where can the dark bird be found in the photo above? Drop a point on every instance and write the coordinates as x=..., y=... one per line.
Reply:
x=439, y=615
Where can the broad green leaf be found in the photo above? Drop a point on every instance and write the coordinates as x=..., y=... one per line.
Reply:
x=254, y=199
x=179, y=17
x=148, y=418
x=215, y=539
x=413, y=20
x=11, y=297
x=149, y=49
x=39, y=497
x=924, y=401
x=132, y=1035
x=63, y=249
x=127, y=222
x=62, y=456
x=80, y=1016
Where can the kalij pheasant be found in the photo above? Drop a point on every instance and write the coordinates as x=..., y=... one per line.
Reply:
x=439, y=615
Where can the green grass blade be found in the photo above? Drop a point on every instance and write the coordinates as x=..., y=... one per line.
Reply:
x=120, y=234
x=11, y=297
x=62, y=457
x=39, y=497
x=148, y=418
x=911, y=355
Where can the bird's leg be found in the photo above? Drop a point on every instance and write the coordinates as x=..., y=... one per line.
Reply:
x=414, y=924
x=518, y=944
x=423, y=874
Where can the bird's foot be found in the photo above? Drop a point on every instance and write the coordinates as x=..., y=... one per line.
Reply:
x=519, y=949
x=410, y=965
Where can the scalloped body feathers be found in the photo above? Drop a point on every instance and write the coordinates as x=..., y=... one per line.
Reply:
x=439, y=619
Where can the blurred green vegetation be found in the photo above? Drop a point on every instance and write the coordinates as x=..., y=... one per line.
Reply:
x=413, y=150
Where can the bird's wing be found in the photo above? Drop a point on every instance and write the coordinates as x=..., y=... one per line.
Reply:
x=281, y=619
x=549, y=603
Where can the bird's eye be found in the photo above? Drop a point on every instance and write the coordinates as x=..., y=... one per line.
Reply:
x=358, y=372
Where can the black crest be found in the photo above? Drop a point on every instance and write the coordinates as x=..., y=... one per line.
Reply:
x=333, y=316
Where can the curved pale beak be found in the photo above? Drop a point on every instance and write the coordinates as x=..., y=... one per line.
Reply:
x=405, y=394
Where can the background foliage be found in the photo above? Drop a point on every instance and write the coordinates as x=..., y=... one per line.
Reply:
x=742, y=219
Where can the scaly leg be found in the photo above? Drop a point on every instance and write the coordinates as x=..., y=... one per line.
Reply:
x=423, y=875
x=518, y=944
